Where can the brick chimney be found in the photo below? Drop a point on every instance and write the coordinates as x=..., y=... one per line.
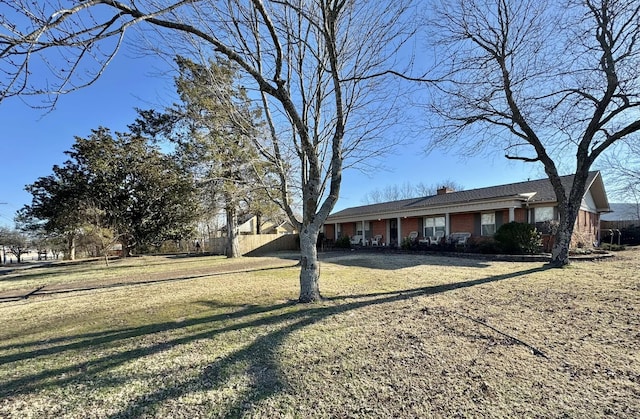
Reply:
x=445, y=190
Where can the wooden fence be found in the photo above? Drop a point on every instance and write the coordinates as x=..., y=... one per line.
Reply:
x=605, y=225
x=255, y=244
x=620, y=232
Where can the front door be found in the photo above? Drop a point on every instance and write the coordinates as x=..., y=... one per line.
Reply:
x=393, y=231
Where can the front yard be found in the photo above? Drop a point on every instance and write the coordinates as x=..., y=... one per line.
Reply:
x=398, y=335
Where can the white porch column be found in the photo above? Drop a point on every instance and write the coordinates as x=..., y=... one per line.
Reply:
x=335, y=231
x=387, y=233
x=399, y=238
x=447, y=224
x=512, y=214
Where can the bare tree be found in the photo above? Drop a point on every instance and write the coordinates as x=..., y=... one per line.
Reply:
x=542, y=80
x=623, y=167
x=16, y=242
x=321, y=69
x=407, y=190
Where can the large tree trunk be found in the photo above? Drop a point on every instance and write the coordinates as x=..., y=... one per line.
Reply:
x=258, y=224
x=568, y=209
x=70, y=254
x=126, y=252
x=560, y=250
x=233, y=246
x=309, y=267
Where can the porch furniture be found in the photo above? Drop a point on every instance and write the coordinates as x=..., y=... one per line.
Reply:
x=437, y=239
x=459, y=239
x=357, y=239
x=376, y=240
x=413, y=237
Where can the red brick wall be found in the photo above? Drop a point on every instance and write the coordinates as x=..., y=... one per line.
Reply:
x=348, y=229
x=462, y=223
x=520, y=215
x=585, y=231
x=379, y=227
x=408, y=225
x=329, y=231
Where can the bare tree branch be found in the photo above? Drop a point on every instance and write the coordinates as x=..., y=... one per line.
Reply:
x=323, y=69
x=547, y=81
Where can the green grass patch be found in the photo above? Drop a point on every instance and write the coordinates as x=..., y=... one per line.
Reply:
x=396, y=336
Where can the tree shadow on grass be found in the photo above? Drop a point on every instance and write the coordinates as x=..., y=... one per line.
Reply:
x=16, y=295
x=24, y=271
x=393, y=261
x=258, y=360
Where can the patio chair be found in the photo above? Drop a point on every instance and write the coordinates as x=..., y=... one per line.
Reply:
x=376, y=240
x=459, y=239
x=413, y=236
x=357, y=239
x=433, y=240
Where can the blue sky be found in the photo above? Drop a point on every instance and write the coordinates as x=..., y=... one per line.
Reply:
x=32, y=141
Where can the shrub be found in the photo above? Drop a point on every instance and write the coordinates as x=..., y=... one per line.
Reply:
x=517, y=238
x=406, y=244
x=343, y=242
x=613, y=247
x=481, y=244
x=489, y=246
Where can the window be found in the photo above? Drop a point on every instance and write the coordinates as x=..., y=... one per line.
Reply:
x=544, y=219
x=488, y=223
x=432, y=225
x=359, y=227
x=543, y=214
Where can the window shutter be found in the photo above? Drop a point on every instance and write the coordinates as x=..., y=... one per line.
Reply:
x=477, y=226
x=532, y=219
x=499, y=219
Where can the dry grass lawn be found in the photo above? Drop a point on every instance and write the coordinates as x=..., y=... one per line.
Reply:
x=397, y=336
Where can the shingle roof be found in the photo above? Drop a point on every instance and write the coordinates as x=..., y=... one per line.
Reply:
x=622, y=212
x=542, y=188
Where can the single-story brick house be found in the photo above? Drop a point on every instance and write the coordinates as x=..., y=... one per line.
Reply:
x=472, y=213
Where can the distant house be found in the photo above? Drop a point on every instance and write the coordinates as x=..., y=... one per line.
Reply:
x=622, y=224
x=622, y=215
x=267, y=226
x=473, y=213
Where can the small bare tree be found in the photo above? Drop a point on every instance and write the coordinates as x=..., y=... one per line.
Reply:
x=542, y=80
x=320, y=68
x=16, y=242
x=407, y=190
x=623, y=167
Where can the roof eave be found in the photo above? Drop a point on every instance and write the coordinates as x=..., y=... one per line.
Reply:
x=514, y=201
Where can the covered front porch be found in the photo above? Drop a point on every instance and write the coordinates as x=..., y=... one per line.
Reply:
x=428, y=228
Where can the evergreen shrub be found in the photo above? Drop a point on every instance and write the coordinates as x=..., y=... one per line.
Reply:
x=517, y=238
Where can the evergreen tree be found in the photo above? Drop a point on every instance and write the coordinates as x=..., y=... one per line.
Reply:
x=141, y=195
x=215, y=128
